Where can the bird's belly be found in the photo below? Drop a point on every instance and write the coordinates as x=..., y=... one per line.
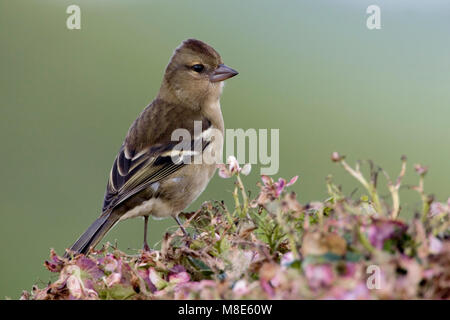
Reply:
x=187, y=186
x=149, y=207
x=192, y=179
x=174, y=194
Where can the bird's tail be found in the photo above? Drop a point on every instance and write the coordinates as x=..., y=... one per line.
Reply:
x=92, y=236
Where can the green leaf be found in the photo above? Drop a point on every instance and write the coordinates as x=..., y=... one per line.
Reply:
x=353, y=256
x=117, y=292
x=200, y=265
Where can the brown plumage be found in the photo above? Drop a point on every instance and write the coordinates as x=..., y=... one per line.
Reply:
x=144, y=179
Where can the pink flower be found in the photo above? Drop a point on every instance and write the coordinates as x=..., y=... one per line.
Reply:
x=319, y=275
x=74, y=283
x=271, y=190
x=381, y=230
x=198, y=285
x=181, y=277
x=359, y=292
x=430, y=273
x=437, y=208
x=88, y=265
x=156, y=279
x=110, y=263
x=420, y=169
x=144, y=274
x=233, y=164
x=113, y=279
x=268, y=289
x=435, y=245
x=178, y=275
x=56, y=263
x=336, y=157
x=287, y=259
x=350, y=269
x=233, y=168
x=240, y=288
x=279, y=185
x=75, y=287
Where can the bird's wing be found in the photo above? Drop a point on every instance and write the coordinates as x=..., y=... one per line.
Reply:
x=129, y=176
x=135, y=170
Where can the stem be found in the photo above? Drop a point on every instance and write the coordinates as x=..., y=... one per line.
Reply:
x=369, y=187
x=228, y=216
x=376, y=200
x=395, y=203
x=244, y=195
x=236, y=201
x=395, y=188
x=364, y=241
x=425, y=205
x=230, y=221
x=425, y=200
x=356, y=174
x=288, y=229
x=293, y=246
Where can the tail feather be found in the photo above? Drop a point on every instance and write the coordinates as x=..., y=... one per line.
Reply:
x=92, y=236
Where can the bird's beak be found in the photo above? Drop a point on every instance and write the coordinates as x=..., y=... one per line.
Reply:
x=222, y=73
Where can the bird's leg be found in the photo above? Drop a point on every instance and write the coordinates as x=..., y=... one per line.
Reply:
x=181, y=226
x=145, y=247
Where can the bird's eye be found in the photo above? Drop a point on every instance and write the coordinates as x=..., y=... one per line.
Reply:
x=198, y=67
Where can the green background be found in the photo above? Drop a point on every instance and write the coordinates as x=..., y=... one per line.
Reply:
x=310, y=68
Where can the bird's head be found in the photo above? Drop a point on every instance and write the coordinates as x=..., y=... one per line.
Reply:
x=195, y=73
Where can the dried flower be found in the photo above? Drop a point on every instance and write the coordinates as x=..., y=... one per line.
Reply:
x=271, y=190
x=319, y=243
x=156, y=279
x=275, y=249
x=319, y=275
x=178, y=275
x=379, y=231
x=435, y=245
x=336, y=157
x=240, y=288
x=420, y=169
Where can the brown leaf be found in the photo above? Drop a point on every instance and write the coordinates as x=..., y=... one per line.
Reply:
x=319, y=243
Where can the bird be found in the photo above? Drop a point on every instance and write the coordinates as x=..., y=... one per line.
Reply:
x=154, y=173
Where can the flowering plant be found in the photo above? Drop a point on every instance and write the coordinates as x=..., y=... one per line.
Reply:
x=273, y=247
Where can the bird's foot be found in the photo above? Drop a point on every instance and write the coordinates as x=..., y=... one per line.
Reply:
x=146, y=247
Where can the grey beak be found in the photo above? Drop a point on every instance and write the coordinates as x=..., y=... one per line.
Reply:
x=222, y=73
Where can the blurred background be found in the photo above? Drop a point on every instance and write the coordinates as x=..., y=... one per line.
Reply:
x=310, y=68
